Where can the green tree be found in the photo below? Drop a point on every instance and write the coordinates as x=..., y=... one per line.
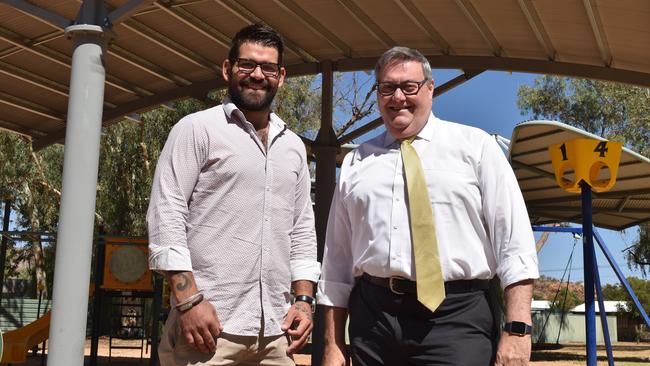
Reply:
x=641, y=289
x=565, y=301
x=615, y=111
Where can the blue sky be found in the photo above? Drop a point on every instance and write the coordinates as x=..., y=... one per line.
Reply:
x=489, y=101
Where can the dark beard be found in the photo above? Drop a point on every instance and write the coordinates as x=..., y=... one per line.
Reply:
x=248, y=103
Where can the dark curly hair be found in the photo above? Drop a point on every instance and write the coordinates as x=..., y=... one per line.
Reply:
x=256, y=33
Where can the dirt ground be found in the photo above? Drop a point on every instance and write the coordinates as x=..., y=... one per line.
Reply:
x=625, y=354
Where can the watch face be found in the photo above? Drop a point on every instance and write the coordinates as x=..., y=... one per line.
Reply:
x=518, y=328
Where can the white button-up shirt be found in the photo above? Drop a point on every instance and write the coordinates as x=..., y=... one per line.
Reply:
x=238, y=217
x=481, y=221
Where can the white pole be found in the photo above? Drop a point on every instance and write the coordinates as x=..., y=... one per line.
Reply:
x=77, y=212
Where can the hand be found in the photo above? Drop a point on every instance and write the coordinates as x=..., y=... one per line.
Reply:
x=298, y=324
x=513, y=350
x=334, y=355
x=200, y=326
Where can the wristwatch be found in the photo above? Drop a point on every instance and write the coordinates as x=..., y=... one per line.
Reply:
x=308, y=299
x=518, y=328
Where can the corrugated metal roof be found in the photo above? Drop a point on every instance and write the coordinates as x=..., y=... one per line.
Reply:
x=625, y=205
x=169, y=49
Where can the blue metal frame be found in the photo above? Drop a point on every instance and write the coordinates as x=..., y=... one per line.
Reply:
x=589, y=259
x=592, y=277
x=621, y=278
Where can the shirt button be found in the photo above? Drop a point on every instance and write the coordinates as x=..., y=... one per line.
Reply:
x=397, y=199
x=266, y=219
x=394, y=227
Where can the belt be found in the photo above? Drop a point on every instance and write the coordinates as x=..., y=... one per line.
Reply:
x=401, y=286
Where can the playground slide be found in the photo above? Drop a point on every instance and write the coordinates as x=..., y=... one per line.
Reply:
x=18, y=342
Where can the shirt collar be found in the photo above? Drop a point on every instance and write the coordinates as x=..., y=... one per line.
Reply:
x=232, y=111
x=426, y=133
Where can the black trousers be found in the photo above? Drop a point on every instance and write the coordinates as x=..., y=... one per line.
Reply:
x=390, y=329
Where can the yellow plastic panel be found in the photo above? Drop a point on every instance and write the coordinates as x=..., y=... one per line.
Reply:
x=586, y=159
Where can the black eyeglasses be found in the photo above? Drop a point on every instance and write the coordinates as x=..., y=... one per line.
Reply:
x=248, y=66
x=387, y=89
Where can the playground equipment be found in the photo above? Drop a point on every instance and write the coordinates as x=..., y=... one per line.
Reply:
x=582, y=163
x=121, y=269
x=19, y=341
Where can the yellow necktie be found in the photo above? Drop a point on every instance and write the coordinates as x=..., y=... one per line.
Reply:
x=428, y=274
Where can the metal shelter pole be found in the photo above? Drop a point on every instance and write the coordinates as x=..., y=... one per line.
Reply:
x=3, y=248
x=325, y=147
x=589, y=260
x=603, y=315
x=80, y=166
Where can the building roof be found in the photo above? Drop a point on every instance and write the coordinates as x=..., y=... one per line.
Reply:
x=169, y=49
x=625, y=205
x=610, y=307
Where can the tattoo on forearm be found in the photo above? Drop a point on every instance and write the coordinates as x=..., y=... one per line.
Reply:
x=184, y=282
x=303, y=308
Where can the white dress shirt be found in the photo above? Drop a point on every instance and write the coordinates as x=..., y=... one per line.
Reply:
x=237, y=216
x=481, y=221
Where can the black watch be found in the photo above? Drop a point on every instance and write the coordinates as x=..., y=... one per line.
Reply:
x=518, y=328
x=308, y=299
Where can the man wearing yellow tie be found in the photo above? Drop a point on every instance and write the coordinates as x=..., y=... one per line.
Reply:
x=423, y=216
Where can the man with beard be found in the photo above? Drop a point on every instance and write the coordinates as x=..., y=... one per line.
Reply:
x=231, y=223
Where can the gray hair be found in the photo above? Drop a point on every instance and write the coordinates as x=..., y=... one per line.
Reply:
x=402, y=54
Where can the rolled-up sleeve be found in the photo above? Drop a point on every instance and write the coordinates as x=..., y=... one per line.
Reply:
x=176, y=175
x=337, y=279
x=506, y=217
x=304, y=265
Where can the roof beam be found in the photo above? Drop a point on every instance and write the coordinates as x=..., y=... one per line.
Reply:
x=35, y=41
x=599, y=31
x=170, y=45
x=123, y=12
x=310, y=22
x=63, y=60
x=111, y=116
x=458, y=80
x=145, y=65
x=412, y=11
x=536, y=25
x=367, y=23
x=45, y=15
x=38, y=80
x=475, y=18
x=249, y=17
x=195, y=23
x=14, y=128
x=31, y=107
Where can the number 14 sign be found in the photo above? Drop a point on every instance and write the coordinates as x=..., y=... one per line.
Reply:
x=589, y=160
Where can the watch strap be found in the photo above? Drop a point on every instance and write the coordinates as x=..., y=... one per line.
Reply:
x=518, y=328
x=308, y=299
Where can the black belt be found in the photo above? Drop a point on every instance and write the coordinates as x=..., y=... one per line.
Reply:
x=403, y=286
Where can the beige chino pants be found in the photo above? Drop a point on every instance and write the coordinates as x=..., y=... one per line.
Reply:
x=231, y=349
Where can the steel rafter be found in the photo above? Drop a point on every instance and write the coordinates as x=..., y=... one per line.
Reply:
x=366, y=22
x=248, y=16
x=412, y=11
x=475, y=18
x=312, y=23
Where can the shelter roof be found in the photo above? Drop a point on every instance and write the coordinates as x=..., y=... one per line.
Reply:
x=625, y=205
x=169, y=49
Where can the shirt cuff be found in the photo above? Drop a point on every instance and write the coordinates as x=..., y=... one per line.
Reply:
x=169, y=258
x=302, y=269
x=518, y=268
x=333, y=293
